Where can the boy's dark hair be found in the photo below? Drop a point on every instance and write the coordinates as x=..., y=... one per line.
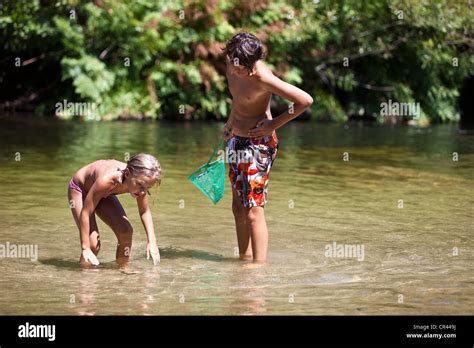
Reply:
x=246, y=47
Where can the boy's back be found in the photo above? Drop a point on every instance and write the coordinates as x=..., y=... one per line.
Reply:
x=250, y=100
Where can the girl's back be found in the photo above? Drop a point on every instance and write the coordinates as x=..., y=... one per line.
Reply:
x=86, y=176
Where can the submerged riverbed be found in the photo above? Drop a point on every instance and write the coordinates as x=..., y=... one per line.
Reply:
x=395, y=193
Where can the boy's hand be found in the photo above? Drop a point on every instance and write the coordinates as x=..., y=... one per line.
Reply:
x=263, y=128
x=152, y=249
x=227, y=131
x=89, y=256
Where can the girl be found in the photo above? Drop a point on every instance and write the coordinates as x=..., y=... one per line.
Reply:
x=93, y=189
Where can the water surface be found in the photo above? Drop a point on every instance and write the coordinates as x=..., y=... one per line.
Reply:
x=417, y=258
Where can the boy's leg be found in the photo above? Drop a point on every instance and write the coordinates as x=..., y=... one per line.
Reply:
x=76, y=203
x=258, y=232
x=112, y=213
x=256, y=176
x=241, y=227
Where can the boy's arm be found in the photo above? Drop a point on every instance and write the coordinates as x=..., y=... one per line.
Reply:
x=147, y=221
x=301, y=101
x=228, y=127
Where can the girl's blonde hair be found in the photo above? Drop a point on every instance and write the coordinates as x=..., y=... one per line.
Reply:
x=145, y=164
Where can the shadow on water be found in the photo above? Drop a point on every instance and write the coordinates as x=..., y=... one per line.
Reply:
x=61, y=263
x=166, y=253
x=75, y=265
x=177, y=253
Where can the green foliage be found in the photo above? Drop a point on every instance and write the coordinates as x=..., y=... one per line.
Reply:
x=90, y=77
x=159, y=59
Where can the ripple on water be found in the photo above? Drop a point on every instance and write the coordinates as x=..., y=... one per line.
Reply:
x=338, y=278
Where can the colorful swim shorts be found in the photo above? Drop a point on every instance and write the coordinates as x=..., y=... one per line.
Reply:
x=250, y=161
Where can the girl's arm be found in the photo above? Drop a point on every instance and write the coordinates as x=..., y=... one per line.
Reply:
x=301, y=101
x=147, y=221
x=97, y=191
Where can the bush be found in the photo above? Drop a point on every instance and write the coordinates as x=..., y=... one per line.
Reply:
x=162, y=59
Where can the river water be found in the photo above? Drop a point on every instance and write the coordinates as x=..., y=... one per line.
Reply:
x=397, y=195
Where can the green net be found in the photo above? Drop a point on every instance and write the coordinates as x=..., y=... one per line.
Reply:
x=209, y=178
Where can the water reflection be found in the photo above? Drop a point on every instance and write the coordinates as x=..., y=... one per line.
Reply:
x=151, y=280
x=87, y=292
x=247, y=283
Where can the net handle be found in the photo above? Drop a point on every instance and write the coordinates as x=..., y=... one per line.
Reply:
x=219, y=145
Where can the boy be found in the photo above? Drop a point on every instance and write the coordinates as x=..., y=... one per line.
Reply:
x=250, y=130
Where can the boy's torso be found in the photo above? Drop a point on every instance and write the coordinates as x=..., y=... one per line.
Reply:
x=250, y=103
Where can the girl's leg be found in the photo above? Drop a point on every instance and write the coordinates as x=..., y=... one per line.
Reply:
x=76, y=201
x=112, y=213
x=242, y=228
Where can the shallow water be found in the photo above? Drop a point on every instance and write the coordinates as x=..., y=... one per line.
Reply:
x=410, y=263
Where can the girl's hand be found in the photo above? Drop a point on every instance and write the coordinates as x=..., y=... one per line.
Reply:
x=89, y=256
x=152, y=249
x=263, y=128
